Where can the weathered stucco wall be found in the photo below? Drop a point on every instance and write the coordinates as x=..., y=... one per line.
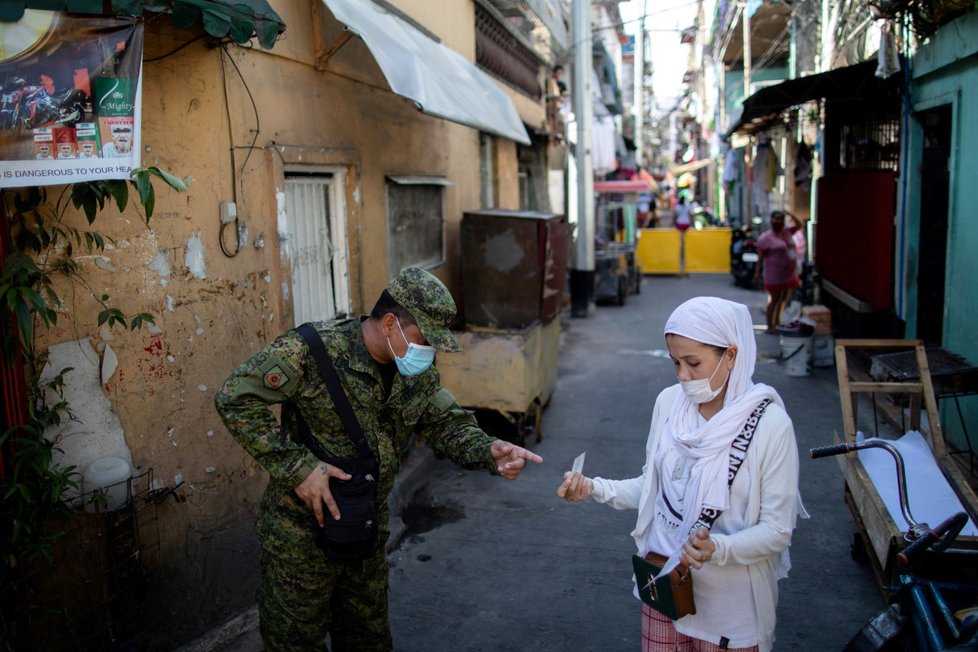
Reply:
x=213, y=312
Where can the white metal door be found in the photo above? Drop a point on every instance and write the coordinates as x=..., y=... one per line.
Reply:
x=317, y=247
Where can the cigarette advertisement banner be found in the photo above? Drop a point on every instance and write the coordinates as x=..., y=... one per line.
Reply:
x=69, y=98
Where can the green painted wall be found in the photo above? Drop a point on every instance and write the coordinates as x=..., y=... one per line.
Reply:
x=734, y=83
x=945, y=72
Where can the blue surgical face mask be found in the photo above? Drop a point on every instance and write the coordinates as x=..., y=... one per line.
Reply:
x=416, y=360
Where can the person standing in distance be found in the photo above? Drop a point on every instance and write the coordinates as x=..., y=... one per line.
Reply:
x=778, y=253
x=383, y=362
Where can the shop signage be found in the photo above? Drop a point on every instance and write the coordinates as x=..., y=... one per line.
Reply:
x=69, y=98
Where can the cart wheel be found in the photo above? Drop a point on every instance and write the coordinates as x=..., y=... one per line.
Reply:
x=622, y=291
x=638, y=282
x=858, y=550
x=534, y=415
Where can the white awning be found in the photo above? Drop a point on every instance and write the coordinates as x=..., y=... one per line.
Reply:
x=439, y=81
x=690, y=167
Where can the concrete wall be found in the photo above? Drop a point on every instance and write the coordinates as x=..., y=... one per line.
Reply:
x=945, y=72
x=211, y=315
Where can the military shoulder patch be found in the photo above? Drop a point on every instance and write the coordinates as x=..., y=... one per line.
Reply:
x=275, y=378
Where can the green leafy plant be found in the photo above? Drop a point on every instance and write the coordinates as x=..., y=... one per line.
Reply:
x=45, y=244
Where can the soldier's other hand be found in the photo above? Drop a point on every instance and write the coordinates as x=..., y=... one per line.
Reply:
x=314, y=490
x=510, y=458
x=575, y=487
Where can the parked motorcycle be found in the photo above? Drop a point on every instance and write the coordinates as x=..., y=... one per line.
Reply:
x=743, y=256
x=27, y=106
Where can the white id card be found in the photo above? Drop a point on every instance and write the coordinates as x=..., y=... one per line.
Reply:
x=578, y=464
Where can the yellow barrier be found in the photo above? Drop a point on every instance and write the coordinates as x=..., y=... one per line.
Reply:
x=657, y=251
x=707, y=250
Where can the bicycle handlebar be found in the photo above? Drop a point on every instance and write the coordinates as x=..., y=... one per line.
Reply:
x=939, y=538
x=946, y=532
x=874, y=442
x=826, y=451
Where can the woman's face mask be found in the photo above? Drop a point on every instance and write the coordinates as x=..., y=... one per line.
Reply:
x=700, y=391
x=416, y=359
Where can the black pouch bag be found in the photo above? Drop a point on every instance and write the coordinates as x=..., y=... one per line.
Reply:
x=354, y=536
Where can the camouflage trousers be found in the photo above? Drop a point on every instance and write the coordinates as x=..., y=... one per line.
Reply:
x=304, y=596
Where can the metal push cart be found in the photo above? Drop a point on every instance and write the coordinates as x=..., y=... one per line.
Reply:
x=616, y=272
x=514, y=267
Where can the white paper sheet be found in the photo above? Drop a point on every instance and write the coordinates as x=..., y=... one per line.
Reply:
x=931, y=498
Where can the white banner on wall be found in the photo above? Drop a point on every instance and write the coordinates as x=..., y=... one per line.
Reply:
x=70, y=99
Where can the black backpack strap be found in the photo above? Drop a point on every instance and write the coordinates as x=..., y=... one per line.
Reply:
x=340, y=400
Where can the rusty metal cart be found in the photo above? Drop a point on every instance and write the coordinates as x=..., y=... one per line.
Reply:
x=514, y=267
x=510, y=373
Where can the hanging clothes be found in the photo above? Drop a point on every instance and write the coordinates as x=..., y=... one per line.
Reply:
x=603, y=145
x=731, y=168
x=888, y=57
x=734, y=175
x=763, y=173
x=803, y=167
x=773, y=169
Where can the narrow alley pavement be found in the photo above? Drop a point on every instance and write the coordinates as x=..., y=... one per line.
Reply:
x=509, y=566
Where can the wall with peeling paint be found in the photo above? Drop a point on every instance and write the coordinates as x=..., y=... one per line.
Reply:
x=150, y=392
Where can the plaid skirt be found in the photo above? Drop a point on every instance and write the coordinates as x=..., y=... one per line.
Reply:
x=659, y=635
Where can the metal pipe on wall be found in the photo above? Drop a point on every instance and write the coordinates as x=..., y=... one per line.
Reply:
x=747, y=53
x=639, y=89
x=582, y=269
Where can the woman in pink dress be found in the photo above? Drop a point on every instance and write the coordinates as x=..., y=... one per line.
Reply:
x=777, y=263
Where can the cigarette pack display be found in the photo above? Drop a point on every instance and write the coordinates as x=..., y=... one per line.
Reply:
x=43, y=143
x=65, y=143
x=86, y=134
x=115, y=97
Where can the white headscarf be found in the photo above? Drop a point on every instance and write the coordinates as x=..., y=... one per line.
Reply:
x=717, y=322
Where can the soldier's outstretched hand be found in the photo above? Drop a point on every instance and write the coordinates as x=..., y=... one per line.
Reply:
x=511, y=459
x=314, y=490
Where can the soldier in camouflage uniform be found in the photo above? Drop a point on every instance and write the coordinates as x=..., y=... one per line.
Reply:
x=303, y=595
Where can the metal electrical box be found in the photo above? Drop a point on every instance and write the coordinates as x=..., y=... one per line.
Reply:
x=514, y=267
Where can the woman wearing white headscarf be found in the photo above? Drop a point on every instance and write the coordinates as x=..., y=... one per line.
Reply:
x=736, y=564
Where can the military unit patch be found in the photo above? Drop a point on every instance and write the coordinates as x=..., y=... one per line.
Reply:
x=275, y=378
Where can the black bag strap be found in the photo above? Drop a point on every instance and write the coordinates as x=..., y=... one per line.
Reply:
x=738, y=453
x=328, y=373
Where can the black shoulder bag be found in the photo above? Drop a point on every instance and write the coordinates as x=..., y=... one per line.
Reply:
x=354, y=536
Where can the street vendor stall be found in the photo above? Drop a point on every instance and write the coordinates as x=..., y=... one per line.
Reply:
x=616, y=273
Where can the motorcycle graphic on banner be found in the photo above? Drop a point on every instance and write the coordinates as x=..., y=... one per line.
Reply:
x=69, y=98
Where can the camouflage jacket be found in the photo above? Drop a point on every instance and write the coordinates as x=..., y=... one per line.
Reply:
x=284, y=370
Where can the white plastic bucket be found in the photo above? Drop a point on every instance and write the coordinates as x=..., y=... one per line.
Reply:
x=110, y=475
x=796, y=353
x=823, y=353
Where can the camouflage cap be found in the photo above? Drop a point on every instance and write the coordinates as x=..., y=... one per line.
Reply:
x=430, y=303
